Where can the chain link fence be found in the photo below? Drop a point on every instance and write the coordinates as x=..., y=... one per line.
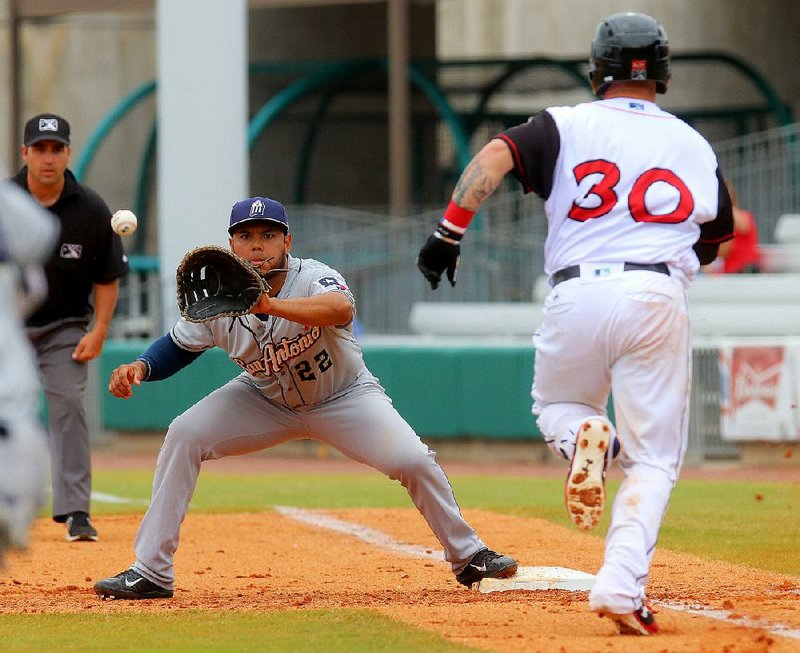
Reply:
x=501, y=257
x=705, y=428
x=765, y=170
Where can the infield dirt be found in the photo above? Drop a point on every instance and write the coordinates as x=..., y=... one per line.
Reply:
x=270, y=562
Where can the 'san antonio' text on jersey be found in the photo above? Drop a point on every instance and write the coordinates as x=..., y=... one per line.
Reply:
x=274, y=355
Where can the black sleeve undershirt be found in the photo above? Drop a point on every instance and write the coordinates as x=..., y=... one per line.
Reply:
x=534, y=147
x=718, y=230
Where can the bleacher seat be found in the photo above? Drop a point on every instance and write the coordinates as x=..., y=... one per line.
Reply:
x=719, y=305
x=745, y=288
x=787, y=228
x=496, y=319
x=784, y=254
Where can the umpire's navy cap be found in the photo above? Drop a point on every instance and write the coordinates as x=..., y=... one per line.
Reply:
x=258, y=208
x=46, y=127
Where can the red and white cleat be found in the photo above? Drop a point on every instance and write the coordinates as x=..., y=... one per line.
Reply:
x=639, y=622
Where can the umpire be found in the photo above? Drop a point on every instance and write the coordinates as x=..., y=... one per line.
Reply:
x=83, y=280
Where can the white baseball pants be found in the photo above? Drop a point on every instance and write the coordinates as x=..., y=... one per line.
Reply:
x=627, y=334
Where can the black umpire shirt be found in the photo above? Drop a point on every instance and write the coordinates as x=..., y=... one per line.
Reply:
x=88, y=252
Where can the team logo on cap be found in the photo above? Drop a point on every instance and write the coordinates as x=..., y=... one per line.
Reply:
x=48, y=125
x=638, y=69
x=257, y=208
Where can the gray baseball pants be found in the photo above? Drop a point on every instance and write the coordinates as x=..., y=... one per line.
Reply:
x=236, y=419
x=64, y=384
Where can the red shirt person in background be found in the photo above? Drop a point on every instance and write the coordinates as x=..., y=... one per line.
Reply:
x=742, y=254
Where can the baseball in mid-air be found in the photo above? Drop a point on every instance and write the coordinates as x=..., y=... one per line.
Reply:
x=124, y=222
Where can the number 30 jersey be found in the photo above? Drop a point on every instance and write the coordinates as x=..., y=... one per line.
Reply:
x=295, y=365
x=622, y=181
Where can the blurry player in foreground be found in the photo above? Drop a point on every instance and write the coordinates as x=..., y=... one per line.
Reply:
x=27, y=236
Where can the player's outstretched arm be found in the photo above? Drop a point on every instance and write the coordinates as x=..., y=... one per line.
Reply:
x=479, y=180
x=327, y=309
x=125, y=377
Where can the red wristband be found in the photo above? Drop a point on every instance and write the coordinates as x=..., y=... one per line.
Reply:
x=457, y=216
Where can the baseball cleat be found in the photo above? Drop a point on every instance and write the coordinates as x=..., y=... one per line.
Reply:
x=79, y=528
x=585, y=490
x=130, y=584
x=486, y=564
x=639, y=622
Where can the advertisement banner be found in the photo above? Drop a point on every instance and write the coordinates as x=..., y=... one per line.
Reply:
x=759, y=392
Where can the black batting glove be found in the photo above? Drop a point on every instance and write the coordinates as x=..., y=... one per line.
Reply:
x=442, y=251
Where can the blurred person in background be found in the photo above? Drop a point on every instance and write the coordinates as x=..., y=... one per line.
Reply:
x=742, y=254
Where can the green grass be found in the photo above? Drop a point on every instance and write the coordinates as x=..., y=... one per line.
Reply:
x=720, y=520
x=753, y=524
x=307, y=631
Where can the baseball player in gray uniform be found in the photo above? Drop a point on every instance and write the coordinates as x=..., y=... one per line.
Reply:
x=27, y=236
x=635, y=202
x=303, y=377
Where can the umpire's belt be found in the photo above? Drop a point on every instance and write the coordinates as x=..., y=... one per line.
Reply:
x=575, y=270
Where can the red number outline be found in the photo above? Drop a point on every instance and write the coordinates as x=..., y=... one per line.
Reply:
x=604, y=189
x=636, y=204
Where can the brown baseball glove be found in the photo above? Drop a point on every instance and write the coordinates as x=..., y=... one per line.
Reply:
x=214, y=282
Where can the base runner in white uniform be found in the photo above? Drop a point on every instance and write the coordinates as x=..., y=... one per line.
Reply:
x=304, y=377
x=635, y=203
x=27, y=237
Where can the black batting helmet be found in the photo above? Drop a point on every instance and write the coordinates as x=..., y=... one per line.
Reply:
x=629, y=47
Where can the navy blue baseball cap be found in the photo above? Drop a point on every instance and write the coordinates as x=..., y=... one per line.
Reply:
x=258, y=208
